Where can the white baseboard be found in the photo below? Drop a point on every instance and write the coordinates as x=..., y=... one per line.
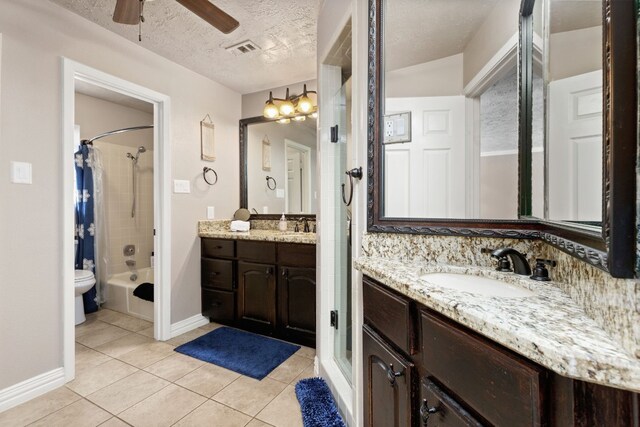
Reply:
x=31, y=388
x=188, y=324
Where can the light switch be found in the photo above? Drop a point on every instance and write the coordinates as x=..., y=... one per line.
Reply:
x=21, y=173
x=181, y=186
x=211, y=212
x=280, y=193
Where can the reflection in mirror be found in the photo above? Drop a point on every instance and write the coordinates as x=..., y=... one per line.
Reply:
x=573, y=79
x=449, y=131
x=287, y=154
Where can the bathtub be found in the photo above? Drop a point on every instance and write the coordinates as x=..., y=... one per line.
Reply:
x=119, y=294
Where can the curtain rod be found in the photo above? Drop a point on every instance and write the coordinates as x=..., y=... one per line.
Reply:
x=117, y=131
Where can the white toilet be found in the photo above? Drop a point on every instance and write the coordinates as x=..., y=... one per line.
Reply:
x=84, y=281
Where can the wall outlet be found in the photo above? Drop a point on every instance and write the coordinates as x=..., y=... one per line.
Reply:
x=20, y=173
x=280, y=193
x=211, y=212
x=181, y=186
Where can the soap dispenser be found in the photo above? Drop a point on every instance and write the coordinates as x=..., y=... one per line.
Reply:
x=282, y=225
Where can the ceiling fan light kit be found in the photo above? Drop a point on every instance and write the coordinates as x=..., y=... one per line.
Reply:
x=296, y=107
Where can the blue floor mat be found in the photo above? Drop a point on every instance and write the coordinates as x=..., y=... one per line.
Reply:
x=243, y=352
x=317, y=404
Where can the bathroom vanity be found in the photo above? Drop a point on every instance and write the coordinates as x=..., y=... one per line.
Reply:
x=262, y=281
x=435, y=356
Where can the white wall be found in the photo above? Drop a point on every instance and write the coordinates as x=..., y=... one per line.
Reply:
x=36, y=34
x=442, y=77
x=258, y=193
x=575, y=52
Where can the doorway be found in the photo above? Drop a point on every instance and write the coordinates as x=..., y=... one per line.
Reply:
x=297, y=185
x=75, y=75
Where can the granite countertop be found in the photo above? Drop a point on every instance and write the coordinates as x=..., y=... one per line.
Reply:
x=256, y=234
x=548, y=328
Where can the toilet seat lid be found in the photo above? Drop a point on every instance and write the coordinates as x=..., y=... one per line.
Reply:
x=83, y=275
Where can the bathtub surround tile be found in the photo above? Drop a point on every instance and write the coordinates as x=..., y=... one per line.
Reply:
x=79, y=414
x=38, y=408
x=208, y=379
x=127, y=343
x=163, y=408
x=283, y=411
x=214, y=414
x=92, y=379
x=174, y=367
x=102, y=335
x=147, y=354
x=290, y=369
x=248, y=395
x=127, y=392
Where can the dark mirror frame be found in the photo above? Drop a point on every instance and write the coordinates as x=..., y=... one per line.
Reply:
x=615, y=249
x=244, y=191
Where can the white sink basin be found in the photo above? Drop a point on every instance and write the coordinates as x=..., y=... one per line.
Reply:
x=476, y=285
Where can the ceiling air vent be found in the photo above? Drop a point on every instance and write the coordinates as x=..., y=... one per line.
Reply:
x=246, y=46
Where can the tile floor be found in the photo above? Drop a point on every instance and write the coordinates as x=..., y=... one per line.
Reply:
x=124, y=377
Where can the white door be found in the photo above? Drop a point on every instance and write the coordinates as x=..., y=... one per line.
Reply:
x=294, y=180
x=575, y=148
x=425, y=178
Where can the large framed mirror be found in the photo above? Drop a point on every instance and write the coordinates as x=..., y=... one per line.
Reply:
x=584, y=121
x=459, y=123
x=278, y=167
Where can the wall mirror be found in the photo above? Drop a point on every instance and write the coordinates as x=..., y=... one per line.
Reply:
x=278, y=166
x=431, y=64
x=585, y=193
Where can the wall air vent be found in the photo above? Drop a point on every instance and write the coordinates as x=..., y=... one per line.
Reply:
x=246, y=46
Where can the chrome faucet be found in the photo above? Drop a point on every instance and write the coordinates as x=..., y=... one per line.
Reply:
x=520, y=263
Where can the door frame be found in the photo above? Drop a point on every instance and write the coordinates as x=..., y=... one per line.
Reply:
x=307, y=168
x=72, y=71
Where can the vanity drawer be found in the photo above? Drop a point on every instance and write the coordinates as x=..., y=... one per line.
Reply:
x=389, y=314
x=219, y=306
x=213, y=248
x=505, y=389
x=217, y=273
x=448, y=412
x=257, y=251
x=297, y=255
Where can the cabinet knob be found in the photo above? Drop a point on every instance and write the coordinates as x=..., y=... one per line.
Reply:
x=425, y=412
x=213, y=274
x=268, y=271
x=285, y=272
x=392, y=375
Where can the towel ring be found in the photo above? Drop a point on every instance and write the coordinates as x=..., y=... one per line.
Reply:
x=204, y=175
x=275, y=184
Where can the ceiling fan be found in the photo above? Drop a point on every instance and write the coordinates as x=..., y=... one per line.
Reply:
x=130, y=12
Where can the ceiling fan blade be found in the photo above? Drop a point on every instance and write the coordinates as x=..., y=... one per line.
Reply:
x=127, y=12
x=212, y=14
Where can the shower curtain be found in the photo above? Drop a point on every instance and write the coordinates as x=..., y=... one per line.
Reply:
x=89, y=223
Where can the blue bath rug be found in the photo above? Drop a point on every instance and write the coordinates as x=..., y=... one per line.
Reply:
x=243, y=352
x=317, y=404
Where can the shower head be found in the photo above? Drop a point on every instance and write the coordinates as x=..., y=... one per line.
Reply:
x=141, y=149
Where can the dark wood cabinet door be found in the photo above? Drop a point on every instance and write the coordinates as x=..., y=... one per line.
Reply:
x=217, y=273
x=388, y=379
x=438, y=409
x=218, y=306
x=297, y=304
x=257, y=296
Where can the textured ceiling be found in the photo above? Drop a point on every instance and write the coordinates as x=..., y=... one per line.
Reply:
x=284, y=30
x=417, y=31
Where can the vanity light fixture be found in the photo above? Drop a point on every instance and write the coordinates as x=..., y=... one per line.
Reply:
x=296, y=107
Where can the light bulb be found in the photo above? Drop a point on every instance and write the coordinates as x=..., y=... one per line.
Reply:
x=287, y=108
x=270, y=110
x=284, y=121
x=314, y=115
x=304, y=104
x=300, y=118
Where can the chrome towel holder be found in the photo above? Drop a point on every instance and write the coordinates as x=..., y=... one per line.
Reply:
x=204, y=175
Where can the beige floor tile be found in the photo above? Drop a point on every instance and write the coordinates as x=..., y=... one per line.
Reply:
x=307, y=373
x=248, y=395
x=307, y=352
x=102, y=335
x=123, y=345
x=214, y=414
x=114, y=422
x=132, y=324
x=92, y=379
x=79, y=414
x=147, y=332
x=38, y=408
x=90, y=326
x=210, y=326
x=290, y=369
x=86, y=357
x=208, y=379
x=163, y=408
x=147, y=354
x=257, y=423
x=174, y=367
x=127, y=392
x=283, y=411
x=106, y=315
x=186, y=337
